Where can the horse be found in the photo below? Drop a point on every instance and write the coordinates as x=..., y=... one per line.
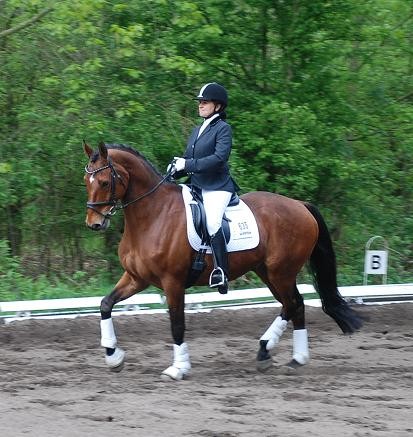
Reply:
x=154, y=250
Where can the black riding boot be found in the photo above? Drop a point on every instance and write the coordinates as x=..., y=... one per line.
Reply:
x=218, y=277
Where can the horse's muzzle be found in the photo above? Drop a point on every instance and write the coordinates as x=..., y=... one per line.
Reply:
x=99, y=226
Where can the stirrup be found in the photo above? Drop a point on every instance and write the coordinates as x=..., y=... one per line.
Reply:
x=217, y=277
x=223, y=289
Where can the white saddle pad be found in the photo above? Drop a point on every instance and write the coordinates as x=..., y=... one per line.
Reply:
x=242, y=224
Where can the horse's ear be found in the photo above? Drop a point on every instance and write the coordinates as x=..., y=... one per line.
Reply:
x=103, y=150
x=88, y=150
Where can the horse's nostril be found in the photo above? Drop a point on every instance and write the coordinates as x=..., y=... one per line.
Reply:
x=95, y=226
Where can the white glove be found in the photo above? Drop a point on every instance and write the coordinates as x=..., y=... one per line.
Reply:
x=179, y=163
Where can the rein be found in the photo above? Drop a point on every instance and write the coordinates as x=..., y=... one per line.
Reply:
x=117, y=204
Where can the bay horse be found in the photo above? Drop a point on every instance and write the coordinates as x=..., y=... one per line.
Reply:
x=154, y=250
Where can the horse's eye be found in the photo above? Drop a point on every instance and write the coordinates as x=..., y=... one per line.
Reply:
x=104, y=184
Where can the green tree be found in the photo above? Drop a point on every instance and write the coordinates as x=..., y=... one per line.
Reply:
x=320, y=104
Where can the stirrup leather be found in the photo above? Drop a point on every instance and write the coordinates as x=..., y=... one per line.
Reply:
x=217, y=277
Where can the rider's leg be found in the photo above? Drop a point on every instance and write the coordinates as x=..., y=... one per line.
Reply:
x=215, y=203
x=219, y=276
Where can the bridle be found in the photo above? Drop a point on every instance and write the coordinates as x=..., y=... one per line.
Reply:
x=114, y=203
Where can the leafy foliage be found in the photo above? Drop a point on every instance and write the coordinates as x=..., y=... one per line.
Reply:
x=320, y=103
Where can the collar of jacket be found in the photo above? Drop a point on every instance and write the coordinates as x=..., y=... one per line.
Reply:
x=215, y=120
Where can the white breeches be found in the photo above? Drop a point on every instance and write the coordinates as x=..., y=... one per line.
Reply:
x=215, y=203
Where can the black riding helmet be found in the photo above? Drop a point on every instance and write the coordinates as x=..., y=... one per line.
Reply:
x=213, y=92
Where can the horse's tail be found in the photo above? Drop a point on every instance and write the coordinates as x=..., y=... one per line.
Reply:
x=323, y=267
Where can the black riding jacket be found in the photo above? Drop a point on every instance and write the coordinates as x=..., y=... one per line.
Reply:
x=207, y=157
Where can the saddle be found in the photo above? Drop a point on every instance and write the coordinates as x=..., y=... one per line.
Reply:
x=199, y=220
x=199, y=216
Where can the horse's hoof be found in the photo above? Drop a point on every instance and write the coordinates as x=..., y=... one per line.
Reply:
x=293, y=367
x=173, y=374
x=168, y=378
x=264, y=365
x=294, y=364
x=116, y=361
x=118, y=368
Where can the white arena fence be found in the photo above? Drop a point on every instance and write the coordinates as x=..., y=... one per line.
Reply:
x=155, y=302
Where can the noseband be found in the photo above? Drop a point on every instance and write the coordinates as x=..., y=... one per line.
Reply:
x=114, y=203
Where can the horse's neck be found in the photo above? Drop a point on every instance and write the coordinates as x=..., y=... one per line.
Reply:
x=153, y=207
x=142, y=177
x=146, y=207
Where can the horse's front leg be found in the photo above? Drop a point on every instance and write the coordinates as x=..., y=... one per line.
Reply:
x=126, y=287
x=181, y=365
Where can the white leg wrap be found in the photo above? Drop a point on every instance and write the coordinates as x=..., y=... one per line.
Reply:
x=300, y=346
x=181, y=365
x=108, y=337
x=274, y=332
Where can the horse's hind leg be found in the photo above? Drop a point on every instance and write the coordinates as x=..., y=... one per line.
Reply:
x=125, y=288
x=296, y=312
x=293, y=309
x=268, y=341
x=272, y=335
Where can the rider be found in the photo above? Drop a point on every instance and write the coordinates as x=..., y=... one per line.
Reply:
x=206, y=162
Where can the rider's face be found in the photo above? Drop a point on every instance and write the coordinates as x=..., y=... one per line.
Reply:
x=206, y=108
